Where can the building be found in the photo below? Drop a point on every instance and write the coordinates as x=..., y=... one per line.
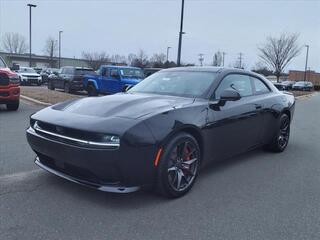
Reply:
x=311, y=76
x=41, y=61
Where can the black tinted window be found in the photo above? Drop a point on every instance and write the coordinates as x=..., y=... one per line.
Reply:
x=259, y=86
x=238, y=82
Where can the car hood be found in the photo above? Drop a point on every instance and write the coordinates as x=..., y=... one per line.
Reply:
x=29, y=74
x=132, y=106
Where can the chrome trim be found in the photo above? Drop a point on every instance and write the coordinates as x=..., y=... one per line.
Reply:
x=36, y=127
x=104, y=188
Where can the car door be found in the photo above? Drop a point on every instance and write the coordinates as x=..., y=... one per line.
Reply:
x=112, y=83
x=233, y=127
x=264, y=100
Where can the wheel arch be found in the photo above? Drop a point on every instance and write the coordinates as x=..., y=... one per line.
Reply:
x=93, y=82
x=190, y=129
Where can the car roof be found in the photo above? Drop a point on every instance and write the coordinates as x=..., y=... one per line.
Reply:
x=114, y=66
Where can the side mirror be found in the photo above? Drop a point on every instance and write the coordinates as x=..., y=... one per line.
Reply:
x=226, y=95
x=229, y=95
x=126, y=88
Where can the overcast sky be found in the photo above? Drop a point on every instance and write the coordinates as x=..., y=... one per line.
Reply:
x=124, y=26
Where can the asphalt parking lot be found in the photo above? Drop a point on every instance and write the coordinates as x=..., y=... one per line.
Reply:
x=258, y=195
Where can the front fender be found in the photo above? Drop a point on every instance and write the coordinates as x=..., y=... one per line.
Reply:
x=94, y=82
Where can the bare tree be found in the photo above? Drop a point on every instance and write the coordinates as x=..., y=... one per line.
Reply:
x=96, y=59
x=140, y=59
x=217, y=59
x=14, y=43
x=118, y=59
x=278, y=52
x=158, y=60
x=131, y=58
x=50, y=49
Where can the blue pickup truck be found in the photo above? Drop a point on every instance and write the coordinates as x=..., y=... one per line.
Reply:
x=112, y=79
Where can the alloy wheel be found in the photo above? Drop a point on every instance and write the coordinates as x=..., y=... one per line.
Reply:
x=284, y=132
x=183, y=166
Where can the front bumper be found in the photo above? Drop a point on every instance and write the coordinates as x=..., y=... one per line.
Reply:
x=105, y=188
x=9, y=93
x=123, y=170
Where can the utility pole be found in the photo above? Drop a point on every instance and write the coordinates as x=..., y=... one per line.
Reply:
x=168, y=48
x=60, y=48
x=306, y=66
x=30, y=43
x=240, y=59
x=201, y=58
x=223, y=54
x=180, y=34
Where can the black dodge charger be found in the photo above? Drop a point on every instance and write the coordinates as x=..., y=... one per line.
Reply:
x=160, y=132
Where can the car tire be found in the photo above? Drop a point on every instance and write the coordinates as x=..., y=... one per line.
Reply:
x=67, y=88
x=178, y=166
x=281, y=138
x=92, y=91
x=51, y=85
x=13, y=106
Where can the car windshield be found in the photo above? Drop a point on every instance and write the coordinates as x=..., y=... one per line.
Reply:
x=300, y=83
x=177, y=83
x=131, y=73
x=27, y=70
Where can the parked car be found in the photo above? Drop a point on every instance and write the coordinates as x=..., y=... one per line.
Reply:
x=38, y=69
x=280, y=86
x=69, y=78
x=162, y=130
x=288, y=84
x=112, y=79
x=303, y=86
x=9, y=87
x=46, y=72
x=149, y=71
x=28, y=76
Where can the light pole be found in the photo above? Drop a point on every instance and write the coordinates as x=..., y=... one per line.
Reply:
x=201, y=58
x=306, y=66
x=30, y=6
x=180, y=34
x=60, y=48
x=168, y=48
x=223, y=55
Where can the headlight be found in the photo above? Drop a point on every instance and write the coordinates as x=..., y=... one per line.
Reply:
x=39, y=78
x=14, y=79
x=111, y=139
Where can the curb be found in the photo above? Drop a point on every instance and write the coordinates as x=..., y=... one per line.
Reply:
x=35, y=101
x=306, y=96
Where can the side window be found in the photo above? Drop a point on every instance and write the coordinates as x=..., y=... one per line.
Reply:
x=260, y=87
x=114, y=73
x=63, y=70
x=240, y=83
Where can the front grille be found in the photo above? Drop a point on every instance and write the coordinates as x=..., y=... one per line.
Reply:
x=4, y=79
x=71, y=136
